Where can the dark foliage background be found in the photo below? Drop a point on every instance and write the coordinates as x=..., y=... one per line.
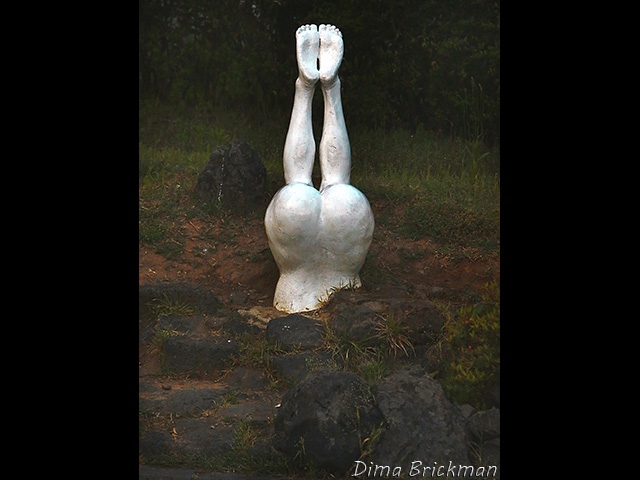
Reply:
x=407, y=63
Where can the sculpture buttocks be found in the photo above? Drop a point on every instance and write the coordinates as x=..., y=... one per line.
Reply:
x=319, y=238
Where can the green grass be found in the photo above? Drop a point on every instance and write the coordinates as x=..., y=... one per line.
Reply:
x=448, y=190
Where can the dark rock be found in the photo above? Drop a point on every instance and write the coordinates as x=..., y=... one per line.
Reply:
x=145, y=387
x=196, y=437
x=154, y=443
x=238, y=298
x=192, y=401
x=295, y=331
x=247, y=378
x=490, y=454
x=234, y=177
x=355, y=318
x=421, y=423
x=194, y=296
x=358, y=323
x=184, y=354
x=191, y=325
x=181, y=401
x=324, y=418
x=294, y=367
x=146, y=472
x=254, y=411
x=484, y=425
x=493, y=395
x=467, y=410
x=239, y=325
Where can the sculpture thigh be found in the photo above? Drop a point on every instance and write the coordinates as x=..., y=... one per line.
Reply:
x=319, y=241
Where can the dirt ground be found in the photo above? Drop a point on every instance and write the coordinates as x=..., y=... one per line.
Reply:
x=230, y=256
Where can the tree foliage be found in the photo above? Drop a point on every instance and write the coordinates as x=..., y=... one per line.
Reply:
x=433, y=63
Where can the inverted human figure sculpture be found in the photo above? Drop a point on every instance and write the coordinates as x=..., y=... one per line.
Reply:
x=319, y=239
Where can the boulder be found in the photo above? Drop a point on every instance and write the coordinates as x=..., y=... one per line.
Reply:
x=295, y=331
x=234, y=178
x=358, y=323
x=325, y=418
x=484, y=435
x=186, y=354
x=485, y=425
x=293, y=367
x=421, y=424
x=191, y=295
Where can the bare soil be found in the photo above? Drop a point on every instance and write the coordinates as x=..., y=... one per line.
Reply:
x=230, y=256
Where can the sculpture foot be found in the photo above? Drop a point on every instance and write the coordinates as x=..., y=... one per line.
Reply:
x=307, y=47
x=331, y=52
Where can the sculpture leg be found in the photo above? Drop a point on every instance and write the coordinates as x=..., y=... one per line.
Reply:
x=300, y=147
x=292, y=220
x=346, y=214
x=335, y=150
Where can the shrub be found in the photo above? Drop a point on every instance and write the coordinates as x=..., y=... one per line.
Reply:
x=474, y=340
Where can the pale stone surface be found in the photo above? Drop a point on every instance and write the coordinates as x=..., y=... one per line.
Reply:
x=319, y=238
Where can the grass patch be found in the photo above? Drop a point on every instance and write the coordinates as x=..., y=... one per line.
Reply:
x=446, y=189
x=166, y=306
x=375, y=357
x=473, y=339
x=255, y=351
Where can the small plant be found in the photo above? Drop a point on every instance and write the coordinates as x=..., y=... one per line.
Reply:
x=394, y=334
x=255, y=351
x=229, y=398
x=239, y=457
x=368, y=445
x=167, y=307
x=375, y=369
x=160, y=338
x=353, y=353
x=474, y=342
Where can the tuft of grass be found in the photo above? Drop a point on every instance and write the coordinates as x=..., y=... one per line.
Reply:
x=256, y=351
x=353, y=353
x=240, y=458
x=375, y=369
x=161, y=337
x=166, y=306
x=372, y=358
x=229, y=398
x=395, y=335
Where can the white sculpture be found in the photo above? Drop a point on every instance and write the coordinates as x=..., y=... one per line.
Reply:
x=319, y=239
